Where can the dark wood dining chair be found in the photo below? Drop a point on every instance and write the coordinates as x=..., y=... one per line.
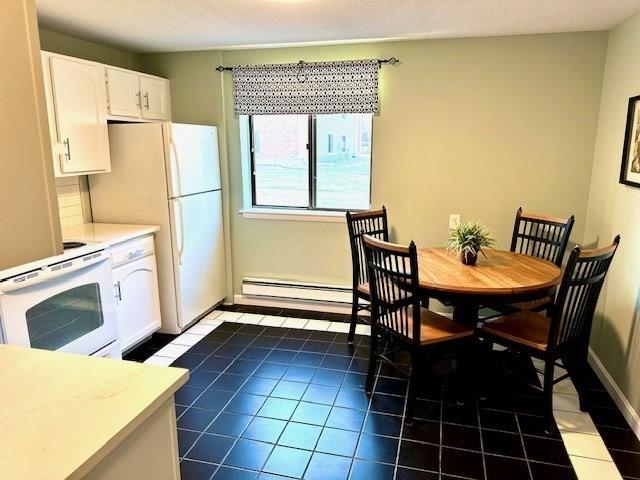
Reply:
x=397, y=315
x=540, y=236
x=565, y=335
x=373, y=223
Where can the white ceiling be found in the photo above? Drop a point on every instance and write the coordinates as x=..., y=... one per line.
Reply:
x=169, y=25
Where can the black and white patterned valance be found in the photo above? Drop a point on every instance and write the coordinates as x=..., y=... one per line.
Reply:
x=306, y=88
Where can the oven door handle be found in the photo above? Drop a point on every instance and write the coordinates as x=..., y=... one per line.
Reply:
x=49, y=273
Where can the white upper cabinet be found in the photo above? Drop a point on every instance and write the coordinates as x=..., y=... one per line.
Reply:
x=77, y=116
x=155, y=97
x=124, y=93
x=137, y=96
x=82, y=96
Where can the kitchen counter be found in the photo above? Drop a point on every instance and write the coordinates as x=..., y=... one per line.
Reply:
x=97, y=236
x=71, y=416
x=107, y=233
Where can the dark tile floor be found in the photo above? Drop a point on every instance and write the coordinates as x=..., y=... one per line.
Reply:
x=275, y=403
x=159, y=340
x=150, y=347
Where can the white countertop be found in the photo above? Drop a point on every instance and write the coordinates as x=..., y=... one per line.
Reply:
x=97, y=236
x=61, y=414
x=107, y=233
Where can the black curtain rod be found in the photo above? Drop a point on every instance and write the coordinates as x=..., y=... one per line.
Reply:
x=390, y=61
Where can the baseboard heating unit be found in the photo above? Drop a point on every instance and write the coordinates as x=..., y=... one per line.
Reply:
x=291, y=294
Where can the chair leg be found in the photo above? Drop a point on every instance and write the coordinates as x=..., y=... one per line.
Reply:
x=354, y=319
x=373, y=357
x=549, y=422
x=576, y=366
x=413, y=387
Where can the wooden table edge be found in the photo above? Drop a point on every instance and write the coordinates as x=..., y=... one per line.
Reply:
x=462, y=290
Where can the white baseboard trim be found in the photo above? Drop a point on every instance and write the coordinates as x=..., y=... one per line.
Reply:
x=293, y=304
x=632, y=417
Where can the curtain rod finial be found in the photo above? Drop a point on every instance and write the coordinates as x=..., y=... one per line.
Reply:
x=390, y=61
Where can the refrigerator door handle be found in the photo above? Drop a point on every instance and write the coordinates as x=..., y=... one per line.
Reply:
x=176, y=172
x=181, y=231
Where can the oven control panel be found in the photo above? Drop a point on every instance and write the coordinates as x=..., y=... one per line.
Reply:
x=52, y=271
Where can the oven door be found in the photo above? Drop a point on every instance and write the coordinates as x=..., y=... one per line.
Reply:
x=68, y=307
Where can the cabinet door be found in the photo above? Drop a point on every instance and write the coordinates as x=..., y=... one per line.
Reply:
x=155, y=98
x=137, y=300
x=80, y=107
x=124, y=93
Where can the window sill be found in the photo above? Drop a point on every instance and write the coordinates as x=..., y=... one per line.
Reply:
x=327, y=216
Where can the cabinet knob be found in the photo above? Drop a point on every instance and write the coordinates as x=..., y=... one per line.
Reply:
x=146, y=100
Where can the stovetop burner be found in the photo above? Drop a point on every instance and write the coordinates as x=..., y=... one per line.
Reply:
x=70, y=245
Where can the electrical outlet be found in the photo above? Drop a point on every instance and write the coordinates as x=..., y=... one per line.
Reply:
x=454, y=220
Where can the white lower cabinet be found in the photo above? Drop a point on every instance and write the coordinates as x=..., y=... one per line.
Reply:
x=136, y=289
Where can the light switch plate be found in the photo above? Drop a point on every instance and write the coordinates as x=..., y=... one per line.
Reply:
x=454, y=220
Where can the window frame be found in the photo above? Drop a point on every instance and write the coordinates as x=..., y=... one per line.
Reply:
x=312, y=177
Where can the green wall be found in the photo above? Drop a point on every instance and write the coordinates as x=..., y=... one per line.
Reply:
x=615, y=208
x=75, y=47
x=470, y=126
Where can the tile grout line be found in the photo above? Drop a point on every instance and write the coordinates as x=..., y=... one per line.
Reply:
x=484, y=463
x=524, y=448
x=441, y=433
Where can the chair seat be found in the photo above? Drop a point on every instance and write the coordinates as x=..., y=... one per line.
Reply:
x=524, y=327
x=363, y=290
x=435, y=328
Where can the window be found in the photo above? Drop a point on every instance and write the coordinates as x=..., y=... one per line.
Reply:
x=295, y=163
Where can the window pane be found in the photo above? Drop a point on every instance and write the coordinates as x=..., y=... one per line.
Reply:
x=343, y=170
x=281, y=160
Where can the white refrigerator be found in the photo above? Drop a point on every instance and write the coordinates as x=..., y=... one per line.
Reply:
x=168, y=174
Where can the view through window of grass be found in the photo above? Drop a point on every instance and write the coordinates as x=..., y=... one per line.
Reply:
x=340, y=157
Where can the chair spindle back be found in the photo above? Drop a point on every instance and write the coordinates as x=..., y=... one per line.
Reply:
x=372, y=223
x=578, y=294
x=541, y=236
x=393, y=283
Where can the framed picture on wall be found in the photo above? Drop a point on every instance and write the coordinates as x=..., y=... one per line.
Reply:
x=630, y=170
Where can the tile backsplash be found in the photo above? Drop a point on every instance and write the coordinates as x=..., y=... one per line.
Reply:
x=73, y=204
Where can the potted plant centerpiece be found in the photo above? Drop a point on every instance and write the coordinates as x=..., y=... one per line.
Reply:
x=467, y=239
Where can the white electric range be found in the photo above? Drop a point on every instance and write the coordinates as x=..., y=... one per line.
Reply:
x=64, y=303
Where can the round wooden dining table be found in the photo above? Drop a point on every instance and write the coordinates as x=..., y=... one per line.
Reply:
x=499, y=277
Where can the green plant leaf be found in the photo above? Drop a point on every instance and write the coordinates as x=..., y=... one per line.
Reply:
x=470, y=238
